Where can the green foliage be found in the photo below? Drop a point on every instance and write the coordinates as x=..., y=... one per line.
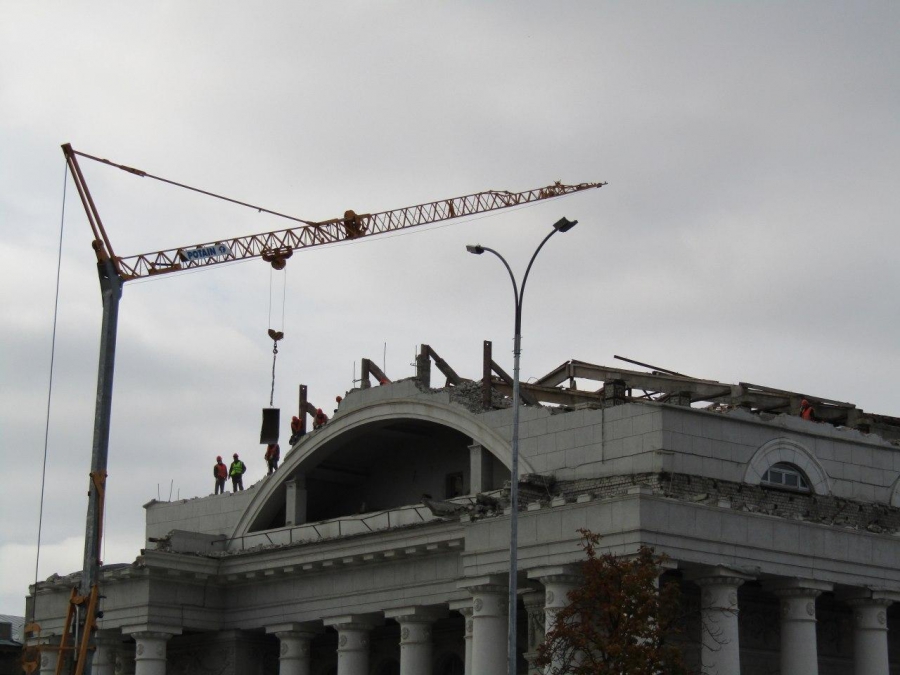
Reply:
x=617, y=622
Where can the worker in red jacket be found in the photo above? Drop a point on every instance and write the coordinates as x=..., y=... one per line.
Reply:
x=321, y=419
x=273, y=454
x=296, y=429
x=220, y=473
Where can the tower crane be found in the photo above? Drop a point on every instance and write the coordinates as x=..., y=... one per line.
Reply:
x=273, y=247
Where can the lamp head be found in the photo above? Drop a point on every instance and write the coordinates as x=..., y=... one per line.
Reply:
x=564, y=225
x=478, y=249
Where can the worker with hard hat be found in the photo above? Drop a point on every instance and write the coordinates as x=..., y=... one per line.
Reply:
x=806, y=410
x=220, y=473
x=320, y=420
x=296, y=429
x=236, y=471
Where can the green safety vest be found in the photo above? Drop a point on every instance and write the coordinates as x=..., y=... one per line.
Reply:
x=237, y=468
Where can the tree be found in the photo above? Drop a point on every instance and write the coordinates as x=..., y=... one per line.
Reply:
x=617, y=621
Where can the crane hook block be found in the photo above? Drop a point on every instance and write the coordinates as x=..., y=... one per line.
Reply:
x=278, y=257
x=355, y=225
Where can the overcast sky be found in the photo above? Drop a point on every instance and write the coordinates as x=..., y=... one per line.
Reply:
x=748, y=231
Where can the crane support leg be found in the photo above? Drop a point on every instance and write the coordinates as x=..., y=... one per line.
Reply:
x=111, y=291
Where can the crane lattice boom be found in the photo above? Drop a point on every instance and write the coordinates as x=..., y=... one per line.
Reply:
x=271, y=245
x=277, y=246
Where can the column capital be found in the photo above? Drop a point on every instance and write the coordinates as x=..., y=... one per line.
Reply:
x=874, y=594
x=532, y=598
x=152, y=630
x=489, y=583
x=354, y=621
x=713, y=574
x=869, y=613
x=301, y=629
x=416, y=614
x=785, y=588
x=464, y=607
x=557, y=573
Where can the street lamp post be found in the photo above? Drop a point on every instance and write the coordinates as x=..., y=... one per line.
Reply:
x=562, y=225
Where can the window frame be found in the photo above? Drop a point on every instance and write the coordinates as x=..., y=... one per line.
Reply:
x=786, y=470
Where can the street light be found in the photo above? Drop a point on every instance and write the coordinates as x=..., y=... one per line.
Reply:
x=561, y=225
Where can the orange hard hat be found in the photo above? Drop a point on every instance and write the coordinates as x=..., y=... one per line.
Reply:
x=319, y=410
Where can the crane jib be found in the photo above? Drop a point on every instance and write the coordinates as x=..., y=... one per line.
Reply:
x=276, y=246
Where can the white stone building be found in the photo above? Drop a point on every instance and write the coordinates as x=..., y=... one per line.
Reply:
x=782, y=532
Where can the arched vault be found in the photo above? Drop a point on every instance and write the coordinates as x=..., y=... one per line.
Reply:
x=387, y=450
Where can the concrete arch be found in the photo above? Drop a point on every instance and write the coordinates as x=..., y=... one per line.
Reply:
x=895, y=493
x=790, y=452
x=442, y=414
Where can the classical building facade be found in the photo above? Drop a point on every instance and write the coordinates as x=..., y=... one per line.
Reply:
x=782, y=532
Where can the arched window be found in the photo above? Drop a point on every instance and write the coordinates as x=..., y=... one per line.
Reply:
x=785, y=475
x=775, y=462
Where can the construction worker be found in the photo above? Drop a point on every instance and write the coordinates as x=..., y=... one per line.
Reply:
x=296, y=430
x=806, y=411
x=236, y=471
x=220, y=473
x=321, y=419
x=273, y=454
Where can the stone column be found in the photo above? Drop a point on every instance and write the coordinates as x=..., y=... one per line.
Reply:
x=799, y=653
x=558, y=581
x=415, y=637
x=295, y=500
x=534, y=609
x=353, y=643
x=720, y=646
x=150, y=647
x=49, y=655
x=870, y=636
x=294, y=651
x=489, y=623
x=105, y=655
x=150, y=652
x=464, y=607
x=481, y=478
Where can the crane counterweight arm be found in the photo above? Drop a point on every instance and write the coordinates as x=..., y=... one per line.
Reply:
x=279, y=245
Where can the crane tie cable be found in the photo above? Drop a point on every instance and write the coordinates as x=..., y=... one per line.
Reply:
x=37, y=557
x=144, y=174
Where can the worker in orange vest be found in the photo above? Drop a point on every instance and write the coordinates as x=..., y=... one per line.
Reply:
x=220, y=473
x=296, y=429
x=321, y=419
x=273, y=454
x=806, y=410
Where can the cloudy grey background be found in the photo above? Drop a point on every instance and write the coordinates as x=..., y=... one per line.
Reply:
x=748, y=231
